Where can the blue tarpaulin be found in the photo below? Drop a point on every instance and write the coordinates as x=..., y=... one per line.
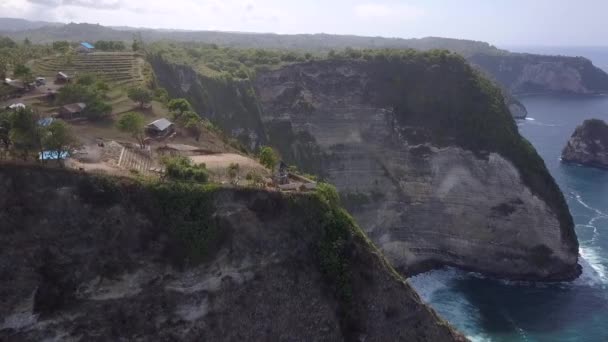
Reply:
x=45, y=122
x=87, y=45
x=52, y=155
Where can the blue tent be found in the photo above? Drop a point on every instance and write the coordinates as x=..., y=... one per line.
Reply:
x=87, y=45
x=52, y=155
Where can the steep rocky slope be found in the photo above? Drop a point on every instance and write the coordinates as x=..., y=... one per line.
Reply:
x=425, y=153
x=92, y=259
x=526, y=73
x=588, y=145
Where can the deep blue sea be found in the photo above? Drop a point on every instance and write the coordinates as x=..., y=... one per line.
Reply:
x=492, y=310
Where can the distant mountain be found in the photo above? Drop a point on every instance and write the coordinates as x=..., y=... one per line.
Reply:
x=15, y=24
x=308, y=42
x=517, y=73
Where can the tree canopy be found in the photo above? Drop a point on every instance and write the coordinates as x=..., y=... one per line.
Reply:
x=268, y=157
x=140, y=95
x=134, y=124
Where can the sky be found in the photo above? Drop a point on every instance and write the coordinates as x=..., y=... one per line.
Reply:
x=500, y=22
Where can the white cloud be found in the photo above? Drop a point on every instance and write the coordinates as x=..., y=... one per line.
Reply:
x=379, y=10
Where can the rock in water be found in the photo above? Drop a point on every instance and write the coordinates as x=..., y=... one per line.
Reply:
x=588, y=145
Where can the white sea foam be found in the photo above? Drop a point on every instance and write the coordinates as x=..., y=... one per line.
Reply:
x=531, y=119
x=579, y=199
x=594, y=272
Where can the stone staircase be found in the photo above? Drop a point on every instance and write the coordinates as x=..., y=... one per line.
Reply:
x=135, y=160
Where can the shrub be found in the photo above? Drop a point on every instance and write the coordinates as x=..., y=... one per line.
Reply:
x=268, y=157
x=182, y=169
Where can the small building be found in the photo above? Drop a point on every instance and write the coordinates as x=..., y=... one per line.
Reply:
x=16, y=106
x=17, y=84
x=160, y=128
x=40, y=81
x=71, y=111
x=85, y=47
x=62, y=77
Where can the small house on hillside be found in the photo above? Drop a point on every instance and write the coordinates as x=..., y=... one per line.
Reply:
x=62, y=77
x=85, y=47
x=17, y=84
x=160, y=128
x=71, y=111
x=16, y=106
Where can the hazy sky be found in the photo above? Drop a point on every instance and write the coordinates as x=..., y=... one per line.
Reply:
x=502, y=22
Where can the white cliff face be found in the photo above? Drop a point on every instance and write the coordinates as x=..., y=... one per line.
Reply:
x=553, y=77
x=588, y=145
x=423, y=205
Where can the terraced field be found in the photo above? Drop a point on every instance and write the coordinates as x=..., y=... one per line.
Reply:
x=120, y=68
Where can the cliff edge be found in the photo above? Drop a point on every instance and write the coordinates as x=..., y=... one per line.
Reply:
x=422, y=148
x=588, y=145
x=93, y=258
x=430, y=160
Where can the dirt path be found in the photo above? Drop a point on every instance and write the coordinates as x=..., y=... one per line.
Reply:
x=218, y=165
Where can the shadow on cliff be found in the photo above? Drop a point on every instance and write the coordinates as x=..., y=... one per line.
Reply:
x=544, y=309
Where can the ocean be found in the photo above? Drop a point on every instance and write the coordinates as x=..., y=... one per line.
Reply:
x=493, y=310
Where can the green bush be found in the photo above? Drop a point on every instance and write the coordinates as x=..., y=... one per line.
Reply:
x=182, y=169
x=268, y=157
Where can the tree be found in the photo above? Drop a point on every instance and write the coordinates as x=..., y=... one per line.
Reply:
x=141, y=95
x=268, y=157
x=27, y=42
x=6, y=42
x=5, y=128
x=161, y=95
x=97, y=109
x=58, y=139
x=61, y=46
x=22, y=71
x=133, y=123
x=25, y=134
x=178, y=107
x=86, y=79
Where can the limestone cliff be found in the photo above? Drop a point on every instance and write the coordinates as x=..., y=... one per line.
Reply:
x=534, y=74
x=588, y=145
x=431, y=200
x=426, y=154
x=88, y=258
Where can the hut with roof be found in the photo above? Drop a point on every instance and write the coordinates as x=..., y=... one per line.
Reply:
x=160, y=128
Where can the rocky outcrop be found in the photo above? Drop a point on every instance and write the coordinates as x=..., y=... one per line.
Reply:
x=96, y=259
x=395, y=141
x=588, y=145
x=536, y=74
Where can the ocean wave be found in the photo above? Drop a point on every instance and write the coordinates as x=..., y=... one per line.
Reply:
x=579, y=199
x=594, y=271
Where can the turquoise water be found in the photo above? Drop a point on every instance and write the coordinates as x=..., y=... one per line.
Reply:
x=492, y=310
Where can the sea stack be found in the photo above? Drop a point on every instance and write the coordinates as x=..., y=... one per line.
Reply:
x=588, y=145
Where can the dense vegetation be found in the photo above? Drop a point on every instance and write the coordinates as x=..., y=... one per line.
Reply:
x=24, y=136
x=322, y=43
x=90, y=91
